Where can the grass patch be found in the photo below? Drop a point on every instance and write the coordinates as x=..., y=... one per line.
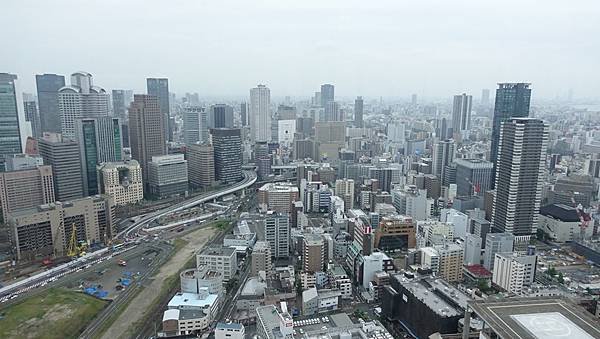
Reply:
x=222, y=225
x=58, y=313
x=179, y=243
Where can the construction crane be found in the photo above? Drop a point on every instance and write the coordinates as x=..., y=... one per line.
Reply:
x=74, y=249
x=584, y=218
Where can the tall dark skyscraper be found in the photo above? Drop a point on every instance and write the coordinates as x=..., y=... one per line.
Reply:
x=227, y=144
x=520, y=167
x=63, y=156
x=220, y=116
x=31, y=115
x=358, y=112
x=147, y=135
x=244, y=113
x=327, y=94
x=119, y=103
x=100, y=140
x=512, y=101
x=159, y=87
x=14, y=129
x=47, y=92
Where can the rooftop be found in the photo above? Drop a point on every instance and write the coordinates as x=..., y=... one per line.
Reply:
x=478, y=270
x=520, y=318
x=218, y=250
x=232, y=326
x=437, y=294
x=561, y=212
x=187, y=300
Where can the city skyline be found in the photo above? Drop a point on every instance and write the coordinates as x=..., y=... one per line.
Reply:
x=399, y=53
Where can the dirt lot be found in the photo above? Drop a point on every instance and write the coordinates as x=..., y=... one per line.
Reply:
x=135, y=310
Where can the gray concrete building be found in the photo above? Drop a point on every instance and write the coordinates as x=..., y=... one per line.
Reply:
x=47, y=93
x=227, y=144
x=168, y=175
x=64, y=157
x=201, y=165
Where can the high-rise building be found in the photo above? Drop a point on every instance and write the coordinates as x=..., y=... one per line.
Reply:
x=244, y=113
x=277, y=197
x=81, y=100
x=64, y=157
x=512, y=101
x=443, y=155
x=32, y=116
x=195, y=125
x=496, y=243
x=25, y=189
x=513, y=271
x=485, y=97
x=472, y=249
x=313, y=253
x=413, y=99
x=220, y=116
x=47, y=93
x=344, y=188
x=159, y=87
x=332, y=112
x=277, y=234
x=395, y=232
x=168, y=175
x=120, y=103
x=358, y=112
x=520, y=165
x=201, y=165
x=473, y=177
x=146, y=130
x=122, y=181
x=227, y=144
x=15, y=129
x=446, y=261
x=19, y=162
x=327, y=94
x=260, y=113
x=99, y=141
x=261, y=258
x=461, y=115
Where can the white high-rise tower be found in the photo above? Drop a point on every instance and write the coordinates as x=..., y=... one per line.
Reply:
x=260, y=113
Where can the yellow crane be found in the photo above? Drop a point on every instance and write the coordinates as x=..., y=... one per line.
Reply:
x=74, y=249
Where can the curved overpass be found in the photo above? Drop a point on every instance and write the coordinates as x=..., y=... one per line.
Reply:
x=249, y=180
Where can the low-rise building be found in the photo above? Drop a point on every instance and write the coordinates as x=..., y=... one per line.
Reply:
x=563, y=223
x=230, y=331
x=273, y=324
x=220, y=259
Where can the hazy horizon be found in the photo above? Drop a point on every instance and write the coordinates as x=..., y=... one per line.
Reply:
x=387, y=48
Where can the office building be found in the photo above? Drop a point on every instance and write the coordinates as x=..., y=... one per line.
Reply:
x=472, y=249
x=443, y=155
x=473, y=177
x=25, y=189
x=328, y=132
x=446, y=261
x=512, y=101
x=313, y=253
x=100, y=140
x=45, y=230
x=47, y=93
x=120, y=103
x=195, y=125
x=227, y=145
x=461, y=116
x=520, y=167
x=159, y=88
x=15, y=128
x=344, y=188
x=261, y=258
x=260, y=113
x=122, y=181
x=32, y=116
x=277, y=197
x=327, y=94
x=18, y=162
x=220, y=116
x=277, y=234
x=358, y=112
x=496, y=243
x=146, y=130
x=244, y=113
x=64, y=157
x=412, y=202
x=286, y=131
x=220, y=259
x=394, y=233
x=168, y=175
x=272, y=324
x=81, y=100
x=372, y=264
x=513, y=271
x=201, y=165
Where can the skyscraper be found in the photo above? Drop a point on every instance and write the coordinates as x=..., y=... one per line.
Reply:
x=220, y=116
x=473, y=177
x=147, y=132
x=520, y=166
x=201, y=165
x=227, y=144
x=358, y=112
x=15, y=129
x=63, y=156
x=81, y=100
x=244, y=113
x=32, y=116
x=277, y=234
x=332, y=112
x=99, y=141
x=443, y=155
x=47, y=92
x=159, y=87
x=260, y=113
x=327, y=94
x=485, y=97
x=512, y=101
x=461, y=115
x=195, y=125
x=120, y=104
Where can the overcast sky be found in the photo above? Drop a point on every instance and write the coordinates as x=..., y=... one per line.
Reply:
x=369, y=47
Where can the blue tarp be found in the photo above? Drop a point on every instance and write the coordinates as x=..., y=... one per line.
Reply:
x=101, y=294
x=125, y=282
x=127, y=274
x=90, y=290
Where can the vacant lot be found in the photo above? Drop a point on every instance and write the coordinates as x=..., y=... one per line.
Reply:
x=56, y=314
